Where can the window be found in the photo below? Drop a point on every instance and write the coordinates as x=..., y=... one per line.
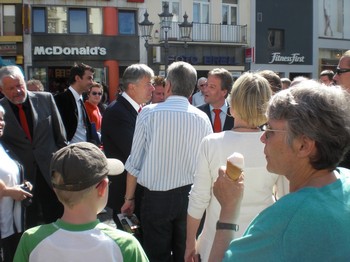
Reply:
x=201, y=11
x=174, y=8
x=78, y=20
x=7, y=16
x=63, y=20
x=126, y=21
x=39, y=24
x=229, y=12
x=275, y=39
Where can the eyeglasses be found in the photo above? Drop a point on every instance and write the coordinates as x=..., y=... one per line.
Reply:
x=99, y=183
x=95, y=93
x=340, y=71
x=268, y=131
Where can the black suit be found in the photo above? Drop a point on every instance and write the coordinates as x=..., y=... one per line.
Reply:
x=118, y=125
x=228, y=125
x=48, y=136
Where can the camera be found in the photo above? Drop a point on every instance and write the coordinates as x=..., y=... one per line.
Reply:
x=27, y=201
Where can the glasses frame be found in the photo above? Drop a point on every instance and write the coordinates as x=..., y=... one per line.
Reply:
x=96, y=93
x=266, y=128
x=340, y=71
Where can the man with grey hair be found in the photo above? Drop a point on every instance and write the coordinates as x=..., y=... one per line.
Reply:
x=118, y=124
x=34, y=131
x=198, y=98
x=163, y=160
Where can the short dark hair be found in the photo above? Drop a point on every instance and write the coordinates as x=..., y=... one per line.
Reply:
x=225, y=77
x=79, y=70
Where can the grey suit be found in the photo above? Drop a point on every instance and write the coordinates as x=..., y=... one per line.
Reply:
x=48, y=135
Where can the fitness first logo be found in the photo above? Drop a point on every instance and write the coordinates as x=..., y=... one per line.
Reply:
x=68, y=51
x=292, y=59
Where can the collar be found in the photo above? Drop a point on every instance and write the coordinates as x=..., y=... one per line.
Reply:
x=223, y=108
x=75, y=94
x=135, y=105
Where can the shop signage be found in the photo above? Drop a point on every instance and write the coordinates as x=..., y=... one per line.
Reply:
x=291, y=59
x=207, y=60
x=68, y=51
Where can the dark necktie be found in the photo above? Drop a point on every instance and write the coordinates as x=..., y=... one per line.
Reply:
x=140, y=108
x=83, y=112
x=24, y=122
x=217, y=120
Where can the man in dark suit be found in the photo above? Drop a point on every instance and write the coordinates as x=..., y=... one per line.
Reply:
x=218, y=87
x=118, y=124
x=71, y=107
x=34, y=131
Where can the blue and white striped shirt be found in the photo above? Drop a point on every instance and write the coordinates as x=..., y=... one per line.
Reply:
x=166, y=144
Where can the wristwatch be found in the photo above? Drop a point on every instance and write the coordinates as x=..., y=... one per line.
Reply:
x=226, y=226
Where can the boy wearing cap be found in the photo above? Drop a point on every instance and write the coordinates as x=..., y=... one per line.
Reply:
x=79, y=178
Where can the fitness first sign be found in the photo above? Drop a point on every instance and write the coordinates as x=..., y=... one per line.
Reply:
x=295, y=58
x=69, y=51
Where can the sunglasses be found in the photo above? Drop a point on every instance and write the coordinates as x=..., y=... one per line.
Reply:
x=95, y=93
x=340, y=71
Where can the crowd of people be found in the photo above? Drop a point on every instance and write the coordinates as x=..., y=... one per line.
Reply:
x=65, y=158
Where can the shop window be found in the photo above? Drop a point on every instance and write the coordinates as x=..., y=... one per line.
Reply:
x=56, y=20
x=7, y=16
x=275, y=39
x=126, y=21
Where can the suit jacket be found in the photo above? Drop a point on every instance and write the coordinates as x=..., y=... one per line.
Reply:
x=48, y=135
x=228, y=125
x=69, y=113
x=118, y=126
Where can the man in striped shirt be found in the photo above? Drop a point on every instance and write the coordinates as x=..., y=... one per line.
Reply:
x=163, y=160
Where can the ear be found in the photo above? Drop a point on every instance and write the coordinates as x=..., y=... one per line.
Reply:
x=305, y=146
x=167, y=89
x=102, y=189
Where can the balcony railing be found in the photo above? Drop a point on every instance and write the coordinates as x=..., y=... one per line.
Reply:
x=216, y=33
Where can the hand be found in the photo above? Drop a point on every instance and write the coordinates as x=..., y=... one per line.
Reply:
x=17, y=193
x=229, y=193
x=190, y=255
x=128, y=207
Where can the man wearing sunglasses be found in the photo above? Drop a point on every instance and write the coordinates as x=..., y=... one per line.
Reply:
x=342, y=73
x=342, y=78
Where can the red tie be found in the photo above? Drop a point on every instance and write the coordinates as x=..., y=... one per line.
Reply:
x=217, y=121
x=140, y=108
x=23, y=120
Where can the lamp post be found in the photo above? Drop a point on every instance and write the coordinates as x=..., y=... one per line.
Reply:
x=165, y=24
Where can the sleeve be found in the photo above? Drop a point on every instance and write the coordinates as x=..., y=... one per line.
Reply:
x=201, y=191
x=57, y=125
x=138, y=149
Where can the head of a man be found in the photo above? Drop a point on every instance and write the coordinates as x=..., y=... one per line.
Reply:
x=273, y=79
x=201, y=83
x=95, y=93
x=158, y=92
x=35, y=85
x=181, y=79
x=308, y=128
x=81, y=77
x=218, y=87
x=326, y=77
x=12, y=84
x=80, y=169
x=137, y=82
x=342, y=73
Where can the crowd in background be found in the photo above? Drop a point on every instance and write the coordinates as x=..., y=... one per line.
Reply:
x=293, y=134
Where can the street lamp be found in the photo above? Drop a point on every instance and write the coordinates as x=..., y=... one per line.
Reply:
x=165, y=24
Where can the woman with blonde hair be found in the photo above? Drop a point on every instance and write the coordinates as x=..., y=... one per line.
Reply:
x=249, y=97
